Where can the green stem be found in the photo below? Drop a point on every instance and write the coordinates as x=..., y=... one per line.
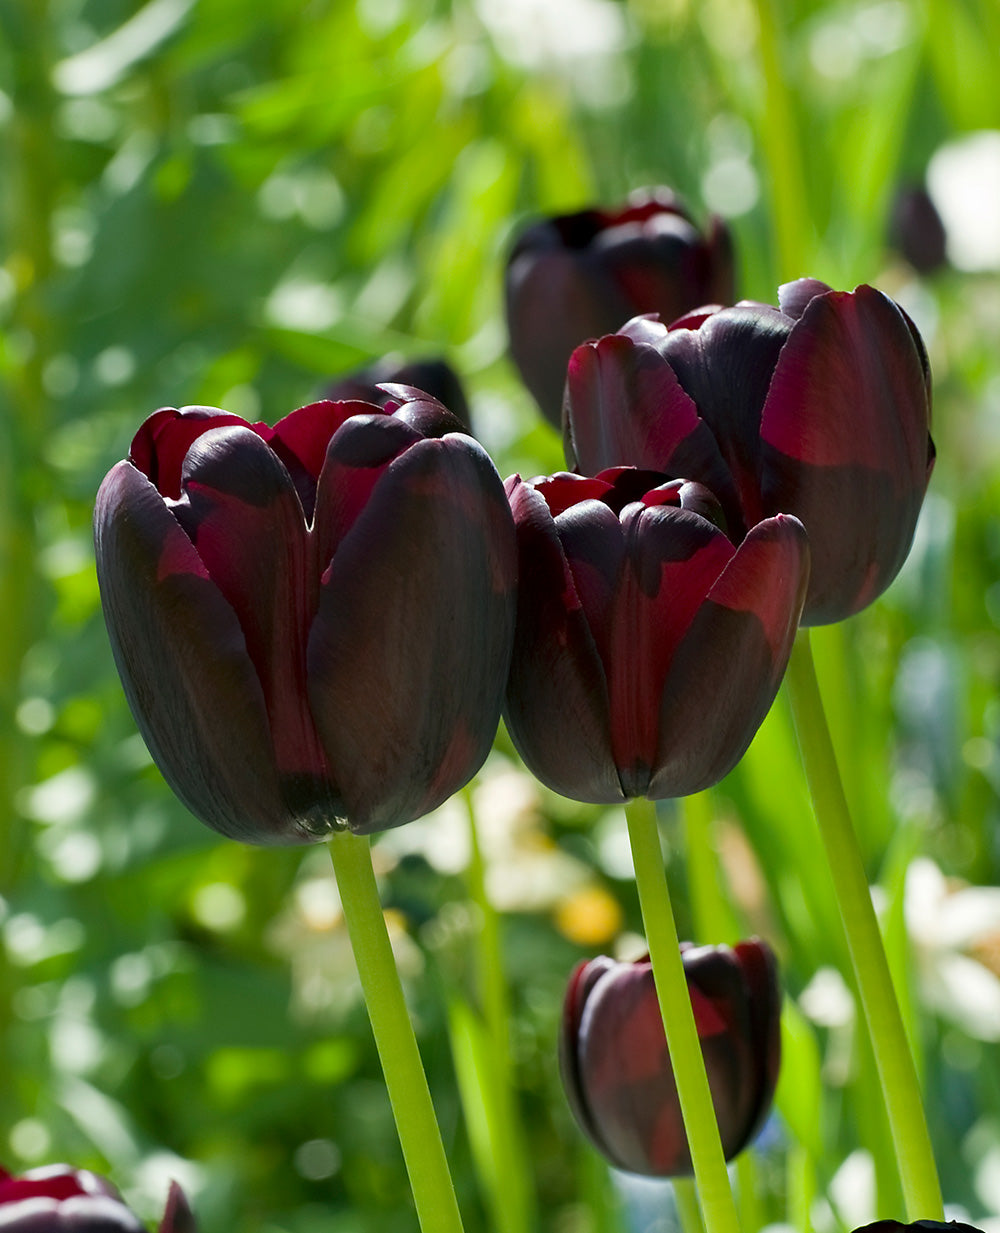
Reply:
x=513, y=1195
x=900, y=1088
x=713, y=916
x=416, y=1124
x=686, y=1199
x=779, y=134
x=712, y=1180
x=748, y=1189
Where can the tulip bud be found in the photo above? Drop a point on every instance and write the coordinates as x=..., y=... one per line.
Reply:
x=648, y=648
x=579, y=276
x=313, y=621
x=918, y=1226
x=916, y=230
x=373, y=383
x=58, y=1199
x=819, y=408
x=616, y=1068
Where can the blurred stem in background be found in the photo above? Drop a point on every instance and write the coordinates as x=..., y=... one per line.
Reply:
x=510, y=1181
x=897, y=1073
x=416, y=1123
x=711, y=1177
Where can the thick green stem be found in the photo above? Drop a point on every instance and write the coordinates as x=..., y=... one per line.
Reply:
x=897, y=1073
x=700, y=1124
x=419, y=1135
x=513, y=1194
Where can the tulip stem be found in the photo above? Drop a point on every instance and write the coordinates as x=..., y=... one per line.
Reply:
x=686, y=1201
x=694, y=1095
x=893, y=1058
x=416, y=1124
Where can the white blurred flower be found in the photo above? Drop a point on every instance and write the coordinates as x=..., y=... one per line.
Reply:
x=955, y=929
x=963, y=180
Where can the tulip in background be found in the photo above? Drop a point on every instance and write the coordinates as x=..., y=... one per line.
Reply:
x=58, y=1199
x=433, y=376
x=312, y=622
x=819, y=408
x=648, y=647
x=578, y=276
x=616, y=1067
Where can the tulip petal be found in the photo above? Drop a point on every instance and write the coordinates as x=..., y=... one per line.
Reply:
x=160, y=446
x=763, y=993
x=557, y=702
x=245, y=520
x=674, y=557
x=624, y=405
x=845, y=428
x=727, y=669
x=182, y=656
x=410, y=648
x=301, y=438
x=177, y=1217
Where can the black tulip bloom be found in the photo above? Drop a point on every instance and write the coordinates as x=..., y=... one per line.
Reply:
x=371, y=384
x=313, y=621
x=917, y=231
x=615, y=1065
x=58, y=1199
x=918, y=1226
x=818, y=408
x=648, y=648
x=578, y=276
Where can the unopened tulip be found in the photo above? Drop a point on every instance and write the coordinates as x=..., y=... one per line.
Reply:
x=578, y=276
x=434, y=376
x=313, y=621
x=819, y=408
x=918, y=1226
x=648, y=647
x=616, y=1068
x=58, y=1199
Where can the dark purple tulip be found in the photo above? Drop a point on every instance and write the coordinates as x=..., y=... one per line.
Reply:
x=648, y=648
x=819, y=408
x=918, y=1226
x=58, y=1199
x=579, y=276
x=313, y=621
x=435, y=377
x=616, y=1068
x=916, y=230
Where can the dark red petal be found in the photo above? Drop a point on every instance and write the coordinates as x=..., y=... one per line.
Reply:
x=582, y=980
x=410, y=649
x=182, y=656
x=159, y=447
x=727, y=669
x=557, y=703
x=794, y=297
x=244, y=517
x=624, y=405
x=846, y=445
x=423, y=412
x=673, y=559
x=177, y=1216
x=763, y=991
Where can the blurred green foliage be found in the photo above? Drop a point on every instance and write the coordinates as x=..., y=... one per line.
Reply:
x=203, y=201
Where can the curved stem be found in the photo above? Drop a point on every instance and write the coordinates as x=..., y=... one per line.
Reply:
x=712, y=1180
x=416, y=1124
x=893, y=1058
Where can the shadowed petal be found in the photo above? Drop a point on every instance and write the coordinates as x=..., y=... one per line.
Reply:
x=557, y=706
x=410, y=648
x=203, y=715
x=728, y=667
x=177, y=1217
x=159, y=447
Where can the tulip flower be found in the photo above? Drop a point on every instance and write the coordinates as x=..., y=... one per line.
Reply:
x=616, y=1068
x=313, y=621
x=58, y=1199
x=918, y=1226
x=819, y=408
x=582, y=275
x=648, y=648
x=434, y=376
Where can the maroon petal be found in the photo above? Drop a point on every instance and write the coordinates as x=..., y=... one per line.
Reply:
x=625, y=406
x=557, y=703
x=301, y=438
x=763, y=991
x=177, y=1217
x=422, y=411
x=794, y=297
x=674, y=557
x=846, y=444
x=727, y=669
x=410, y=649
x=160, y=446
x=182, y=656
x=245, y=520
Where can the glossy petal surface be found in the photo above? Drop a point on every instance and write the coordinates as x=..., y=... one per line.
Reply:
x=407, y=665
